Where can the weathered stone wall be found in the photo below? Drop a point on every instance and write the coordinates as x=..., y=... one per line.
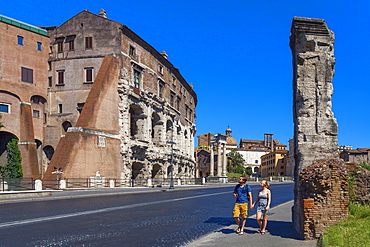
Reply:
x=315, y=128
x=324, y=196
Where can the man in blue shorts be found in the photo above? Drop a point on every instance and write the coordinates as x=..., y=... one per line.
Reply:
x=243, y=194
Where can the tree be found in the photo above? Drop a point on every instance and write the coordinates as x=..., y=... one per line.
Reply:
x=248, y=170
x=236, y=162
x=13, y=168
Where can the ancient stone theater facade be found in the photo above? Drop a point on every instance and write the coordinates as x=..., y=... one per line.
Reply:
x=115, y=107
x=124, y=110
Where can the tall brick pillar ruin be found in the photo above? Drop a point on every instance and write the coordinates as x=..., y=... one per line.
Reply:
x=315, y=128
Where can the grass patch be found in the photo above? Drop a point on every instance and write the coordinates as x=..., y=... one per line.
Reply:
x=234, y=175
x=354, y=231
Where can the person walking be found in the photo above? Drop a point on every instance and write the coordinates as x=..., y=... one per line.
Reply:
x=243, y=194
x=263, y=202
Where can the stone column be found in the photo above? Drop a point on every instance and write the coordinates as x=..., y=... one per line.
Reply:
x=315, y=128
x=219, y=160
x=212, y=162
x=224, y=159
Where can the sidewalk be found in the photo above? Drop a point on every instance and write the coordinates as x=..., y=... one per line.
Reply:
x=280, y=232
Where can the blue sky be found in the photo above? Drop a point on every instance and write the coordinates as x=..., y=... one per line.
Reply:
x=237, y=56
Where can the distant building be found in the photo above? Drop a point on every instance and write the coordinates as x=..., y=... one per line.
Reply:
x=290, y=162
x=274, y=163
x=251, y=150
x=357, y=156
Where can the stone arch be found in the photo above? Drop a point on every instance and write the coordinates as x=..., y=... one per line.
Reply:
x=137, y=168
x=156, y=171
x=5, y=137
x=65, y=126
x=49, y=152
x=38, y=99
x=256, y=169
x=156, y=128
x=169, y=130
x=136, y=121
x=169, y=171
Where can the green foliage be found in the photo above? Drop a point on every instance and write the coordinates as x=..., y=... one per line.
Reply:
x=234, y=175
x=365, y=165
x=248, y=170
x=13, y=168
x=205, y=147
x=354, y=231
x=235, y=164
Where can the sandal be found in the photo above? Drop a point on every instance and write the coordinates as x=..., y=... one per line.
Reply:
x=263, y=232
x=237, y=230
x=241, y=233
x=259, y=231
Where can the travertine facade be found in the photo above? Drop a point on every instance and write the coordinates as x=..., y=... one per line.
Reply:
x=104, y=99
x=315, y=128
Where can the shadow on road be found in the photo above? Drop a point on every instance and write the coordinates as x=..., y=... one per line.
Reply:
x=282, y=229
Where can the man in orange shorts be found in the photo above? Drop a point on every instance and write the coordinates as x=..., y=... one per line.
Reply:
x=243, y=194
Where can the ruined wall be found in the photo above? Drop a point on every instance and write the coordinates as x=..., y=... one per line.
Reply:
x=315, y=128
x=324, y=196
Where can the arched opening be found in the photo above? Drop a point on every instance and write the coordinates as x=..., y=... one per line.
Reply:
x=49, y=152
x=65, y=126
x=5, y=137
x=156, y=128
x=136, y=116
x=169, y=130
x=256, y=170
x=169, y=168
x=156, y=172
x=136, y=170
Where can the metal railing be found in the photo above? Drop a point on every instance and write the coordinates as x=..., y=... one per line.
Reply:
x=16, y=184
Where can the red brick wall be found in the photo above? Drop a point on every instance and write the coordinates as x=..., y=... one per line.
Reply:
x=325, y=196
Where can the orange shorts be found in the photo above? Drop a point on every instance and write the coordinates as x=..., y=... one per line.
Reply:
x=240, y=209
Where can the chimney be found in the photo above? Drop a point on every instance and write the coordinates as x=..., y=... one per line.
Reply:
x=164, y=54
x=103, y=13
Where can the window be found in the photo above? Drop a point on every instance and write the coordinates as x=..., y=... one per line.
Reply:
x=60, y=44
x=39, y=46
x=60, y=108
x=50, y=80
x=60, y=77
x=36, y=113
x=173, y=82
x=49, y=65
x=160, y=88
x=20, y=40
x=178, y=100
x=160, y=69
x=89, y=73
x=71, y=42
x=172, y=99
x=88, y=42
x=131, y=52
x=4, y=107
x=136, y=78
x=27, y=75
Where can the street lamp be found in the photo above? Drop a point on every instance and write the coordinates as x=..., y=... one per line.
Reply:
x=57, y=172
x=171, y=181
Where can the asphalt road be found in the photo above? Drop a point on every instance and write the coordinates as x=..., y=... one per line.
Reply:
x=172, y=218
